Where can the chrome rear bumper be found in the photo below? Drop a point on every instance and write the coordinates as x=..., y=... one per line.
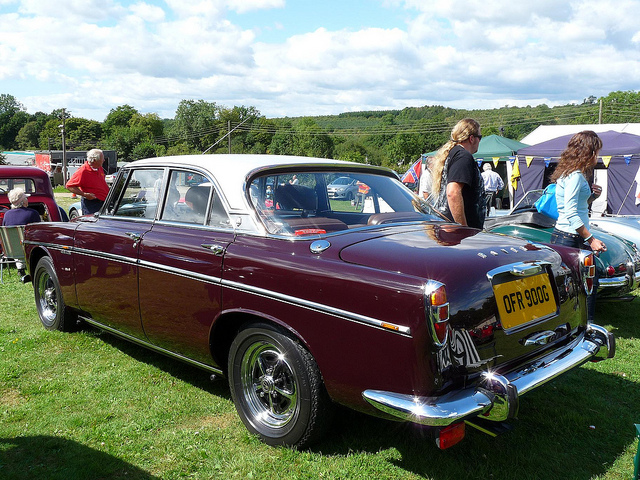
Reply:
x=497, y=396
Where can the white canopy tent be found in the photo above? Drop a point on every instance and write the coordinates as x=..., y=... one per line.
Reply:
x=547, y=132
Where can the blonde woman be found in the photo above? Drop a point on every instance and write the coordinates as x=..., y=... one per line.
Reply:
x=457, y=183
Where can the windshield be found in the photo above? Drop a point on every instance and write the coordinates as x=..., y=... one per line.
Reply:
x=527, y=203
x=301, y=203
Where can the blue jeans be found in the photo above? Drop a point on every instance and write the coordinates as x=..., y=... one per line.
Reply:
x=576, y=241
x=90, y=206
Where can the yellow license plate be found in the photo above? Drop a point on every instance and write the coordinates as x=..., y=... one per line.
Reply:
x=523, y=300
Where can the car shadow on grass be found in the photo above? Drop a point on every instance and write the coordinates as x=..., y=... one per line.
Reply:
x=182, y=371
x=56, y=458
x=574, y=427
x=624, y=317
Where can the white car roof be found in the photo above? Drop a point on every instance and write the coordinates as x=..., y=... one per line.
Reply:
x=231, y=171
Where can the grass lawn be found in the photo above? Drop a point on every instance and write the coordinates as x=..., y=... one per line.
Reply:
x=87, y=405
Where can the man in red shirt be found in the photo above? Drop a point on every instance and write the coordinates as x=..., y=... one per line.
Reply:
x=88, y=182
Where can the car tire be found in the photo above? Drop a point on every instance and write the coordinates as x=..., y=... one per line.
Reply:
x=277, y=388
x=350, y=196
x=52, y=310
x=73, y=213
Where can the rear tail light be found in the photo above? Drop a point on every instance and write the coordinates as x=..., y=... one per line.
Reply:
x=449, y=436
x=588, y=270
x=437, y=308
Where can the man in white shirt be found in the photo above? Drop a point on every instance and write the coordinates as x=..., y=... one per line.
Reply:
x=493, y=184
x=424, y=189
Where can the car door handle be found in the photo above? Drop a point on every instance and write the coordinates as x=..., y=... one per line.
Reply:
x=135, y=236
x=215, y=248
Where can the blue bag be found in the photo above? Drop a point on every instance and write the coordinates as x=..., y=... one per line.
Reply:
x=546, y=204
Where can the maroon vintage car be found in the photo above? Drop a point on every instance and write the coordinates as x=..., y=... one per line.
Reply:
x=247, y=267
x=36, y=183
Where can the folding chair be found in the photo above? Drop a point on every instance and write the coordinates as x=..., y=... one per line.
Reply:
x=11, y=239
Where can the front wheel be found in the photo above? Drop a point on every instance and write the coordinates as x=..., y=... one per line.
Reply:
x=52, y=310
x=277, y=388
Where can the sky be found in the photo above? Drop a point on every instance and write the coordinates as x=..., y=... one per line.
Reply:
x=290, y=58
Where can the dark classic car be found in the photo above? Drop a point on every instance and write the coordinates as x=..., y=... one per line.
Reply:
x=618, y=267
x=303, y=301
x=36, y=183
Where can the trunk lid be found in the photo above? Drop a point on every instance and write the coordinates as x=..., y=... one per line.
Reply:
x=509, y=300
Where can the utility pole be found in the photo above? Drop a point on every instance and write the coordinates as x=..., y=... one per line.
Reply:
x=229, y=130
x=600, y=113
x=65, y=173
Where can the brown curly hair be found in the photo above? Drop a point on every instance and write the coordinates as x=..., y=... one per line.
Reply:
x=578, y=155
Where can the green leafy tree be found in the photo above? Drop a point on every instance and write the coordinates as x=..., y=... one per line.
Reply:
x=243, y=139
x=13, y=117
x=259, y=137
x=51, y=135
x=147, y=149
x=311, y=141
x=118, y=117
x=383, y=132
x=180, y=149
x=404, y=148
x=196, y=124
x=28, y=137
x=282, y=140
x=149, y=122
x=124, y=140
x=82, y=134
x=351, y=150
x=621, y=107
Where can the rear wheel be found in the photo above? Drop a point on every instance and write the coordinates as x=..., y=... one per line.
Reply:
x=52, y=310
x=73, y=213
x=277, y=388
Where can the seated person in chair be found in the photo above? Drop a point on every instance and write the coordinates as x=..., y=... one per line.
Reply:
x=20, y=214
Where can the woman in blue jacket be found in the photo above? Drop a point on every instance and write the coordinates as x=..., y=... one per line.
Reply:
x=573, y=195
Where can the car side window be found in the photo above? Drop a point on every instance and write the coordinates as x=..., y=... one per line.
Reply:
x=141, y=194
x=190, y=196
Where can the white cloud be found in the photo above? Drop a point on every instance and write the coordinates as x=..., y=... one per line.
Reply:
x=243, y=6
x=98, y=54
x=147, y=12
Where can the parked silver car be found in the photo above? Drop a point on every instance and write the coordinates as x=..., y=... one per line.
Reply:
x=343, y=188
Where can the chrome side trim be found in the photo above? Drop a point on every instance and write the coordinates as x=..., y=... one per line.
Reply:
x=496, y=396
x=106, y=255
x=336, y=312
x=180, y=272
x=318, y=307
x=151, y=346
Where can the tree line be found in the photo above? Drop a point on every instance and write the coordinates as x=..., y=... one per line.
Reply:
x=392, y=138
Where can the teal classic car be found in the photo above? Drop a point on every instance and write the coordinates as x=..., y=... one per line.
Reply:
x=618, y=267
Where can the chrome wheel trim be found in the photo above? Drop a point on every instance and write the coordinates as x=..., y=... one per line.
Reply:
x=269, y=386
x=47, y=297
